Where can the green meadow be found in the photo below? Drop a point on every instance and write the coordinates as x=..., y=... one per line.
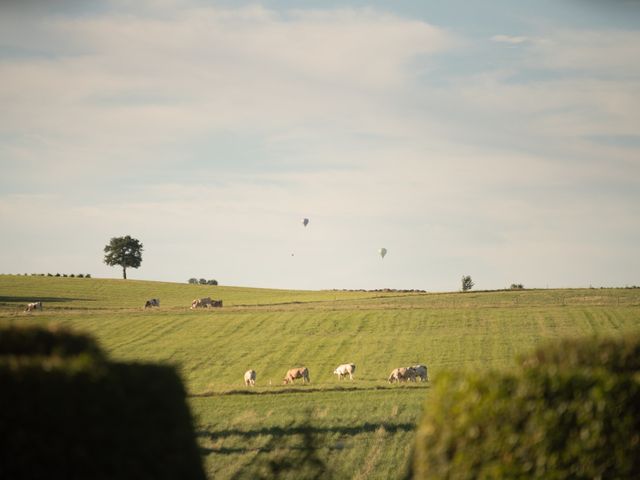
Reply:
x=361, y=428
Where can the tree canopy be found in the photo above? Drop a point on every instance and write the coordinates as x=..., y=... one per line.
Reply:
x=125, y=252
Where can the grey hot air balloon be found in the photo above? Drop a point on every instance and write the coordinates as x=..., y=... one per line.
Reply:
x=305, y=221
x=382, y=252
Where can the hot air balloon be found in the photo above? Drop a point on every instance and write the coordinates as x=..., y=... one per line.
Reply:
x=382, y=252
x=305, y=221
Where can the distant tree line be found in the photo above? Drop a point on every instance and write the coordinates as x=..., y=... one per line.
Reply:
x=388, y=290
x=202, y=281
x=71, y=275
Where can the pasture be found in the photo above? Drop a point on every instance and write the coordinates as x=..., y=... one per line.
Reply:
x=360, y=429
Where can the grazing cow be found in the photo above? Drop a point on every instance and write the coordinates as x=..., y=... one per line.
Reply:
x=294, y=373
x=154, y=302
x=402, y=374
x=250, y=378
x=344, y=370
x=33, y=306
x=201, y=302
x=421, y=372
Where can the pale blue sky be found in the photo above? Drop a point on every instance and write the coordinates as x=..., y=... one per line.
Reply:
x=495, y=139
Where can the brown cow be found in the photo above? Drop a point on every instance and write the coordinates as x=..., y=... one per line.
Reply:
x=294, y=373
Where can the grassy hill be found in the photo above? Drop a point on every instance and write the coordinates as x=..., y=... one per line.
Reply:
x=65, y=293
x=363, y=428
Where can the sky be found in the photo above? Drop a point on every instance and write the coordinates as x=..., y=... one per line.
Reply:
x=494, y=139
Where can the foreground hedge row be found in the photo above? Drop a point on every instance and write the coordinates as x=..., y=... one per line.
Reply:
x=571, y=410
x=66, y=411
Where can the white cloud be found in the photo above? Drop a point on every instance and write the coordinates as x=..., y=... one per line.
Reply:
x=140, y=84
x=606, y=52
x=513, y=40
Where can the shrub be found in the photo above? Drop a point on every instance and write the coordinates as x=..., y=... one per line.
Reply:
x=66, y=411
x=467, y=283
x=212, y=282
x=71, y=275
x=516, y=286
x=202, y=281
x=193, y=281
x=572, y=410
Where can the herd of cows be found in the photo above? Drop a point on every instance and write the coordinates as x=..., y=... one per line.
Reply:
x=205, y=302
x=400, y=374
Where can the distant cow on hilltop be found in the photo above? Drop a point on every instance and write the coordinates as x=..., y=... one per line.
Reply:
x=154, y=302
x=33, y=306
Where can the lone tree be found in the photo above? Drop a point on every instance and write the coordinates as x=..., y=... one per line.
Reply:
x=123, y=251
x=467, y=283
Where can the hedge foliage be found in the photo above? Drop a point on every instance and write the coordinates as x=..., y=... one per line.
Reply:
x=570, y=410
x=66, y=411
x=51, y=342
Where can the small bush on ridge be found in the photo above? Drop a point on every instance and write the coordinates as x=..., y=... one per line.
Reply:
x=202, y=281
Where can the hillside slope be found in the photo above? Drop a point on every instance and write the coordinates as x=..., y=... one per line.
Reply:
x=363, y=428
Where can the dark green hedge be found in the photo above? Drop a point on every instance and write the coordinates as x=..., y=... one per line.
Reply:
x=51, y=342
x=75, y=415
x=571, y=410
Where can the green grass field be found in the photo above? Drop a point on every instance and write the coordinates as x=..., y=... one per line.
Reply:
x=363, y=429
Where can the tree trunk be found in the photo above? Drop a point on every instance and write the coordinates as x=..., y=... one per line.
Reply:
x=124, y=272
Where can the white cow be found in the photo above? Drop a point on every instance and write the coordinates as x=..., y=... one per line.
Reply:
x=33, y=306
x=154, y=302
x=421, y=372
x=344, y=370
x=250, y=378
